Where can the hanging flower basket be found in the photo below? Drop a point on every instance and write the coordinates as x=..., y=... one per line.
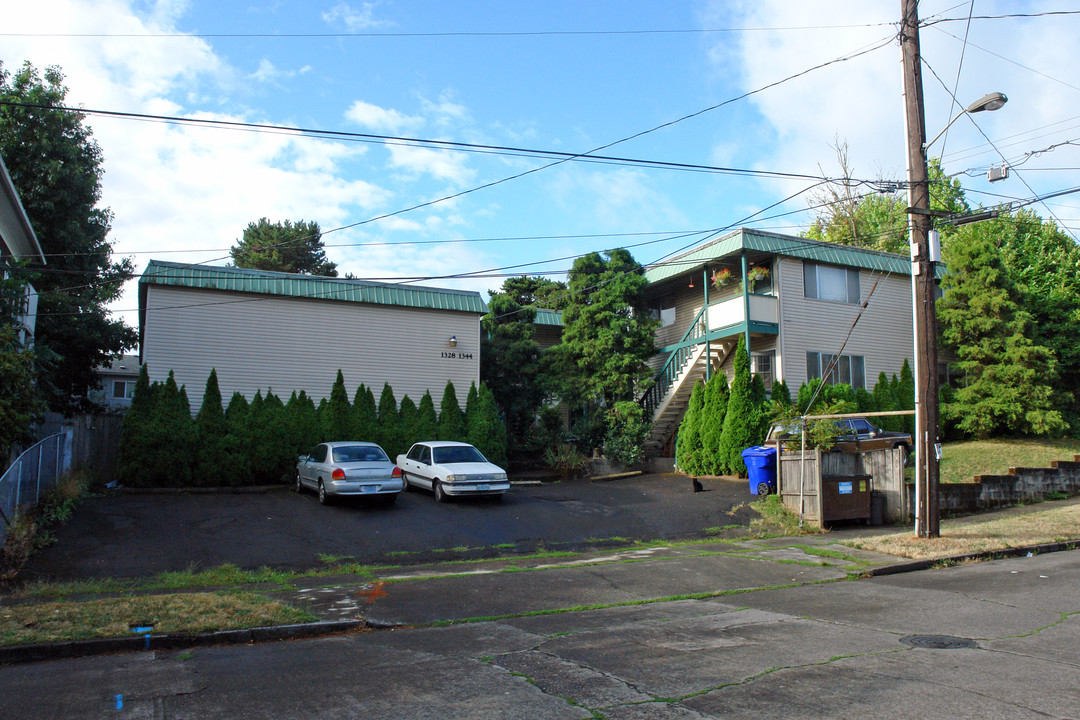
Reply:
x=722, y=278
x=755, y=274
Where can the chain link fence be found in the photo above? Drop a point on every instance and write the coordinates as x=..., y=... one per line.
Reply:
x=32, y=475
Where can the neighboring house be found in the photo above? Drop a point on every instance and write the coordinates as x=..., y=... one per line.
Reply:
x=794, y=321
x=118, y=380
x=286, y=332
x=18, y=243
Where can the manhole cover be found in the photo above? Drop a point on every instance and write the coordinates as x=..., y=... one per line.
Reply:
x=938, y=642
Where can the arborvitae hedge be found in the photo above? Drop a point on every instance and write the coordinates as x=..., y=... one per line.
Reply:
x=258, y=442
x=688, y=446
x=711, y=424
x=451, y=419
x=741, y=420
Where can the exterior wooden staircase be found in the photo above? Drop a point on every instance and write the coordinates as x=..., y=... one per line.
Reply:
x=666, y=401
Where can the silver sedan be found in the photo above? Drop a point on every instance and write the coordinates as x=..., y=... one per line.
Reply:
x=347, y=469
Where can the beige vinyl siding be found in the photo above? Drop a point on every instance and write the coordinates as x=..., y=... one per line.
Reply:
x=259, y=342
x=883, y=336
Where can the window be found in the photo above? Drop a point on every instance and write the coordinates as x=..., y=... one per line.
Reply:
x=663, y=309
x=849, y=369
x=762, y=364
x=123, y=390
x=825, y=282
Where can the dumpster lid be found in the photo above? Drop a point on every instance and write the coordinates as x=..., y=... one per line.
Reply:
x=759, y=451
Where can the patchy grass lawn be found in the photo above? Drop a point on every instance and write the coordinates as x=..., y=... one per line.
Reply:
x=963, y=460
x=1015, y=527
x=113, y=617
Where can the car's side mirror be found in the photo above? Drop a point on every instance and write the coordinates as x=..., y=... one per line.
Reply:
x=303, y=458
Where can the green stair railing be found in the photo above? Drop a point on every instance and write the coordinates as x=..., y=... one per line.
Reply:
x=674, y=365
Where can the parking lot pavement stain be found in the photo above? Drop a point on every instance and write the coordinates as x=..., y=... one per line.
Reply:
x=335, y=602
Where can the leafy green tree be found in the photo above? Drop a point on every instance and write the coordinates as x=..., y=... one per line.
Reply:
x=741, y=421
x=905, y=397
x=848, y=216
x=337, y=420
x=511, y=362
x=389, y=430
x=1045, y=263
x=210, y=432
x=1009, y=378
x=471, y=401
x=365, y=416
x=781, y=393
x=536, y=292
x=607, y=333
x=56, y=166
x=283, y=247
x=303, y=418
x=427, y=421
x=885, y=400
x=711, y=425
x=272, y=457
x=627, y=430
x=238, y=470
x=173, y=431
x=485, y=430
x=688, y=448
x=136, y=442
x=410, y=418
x=451, y=419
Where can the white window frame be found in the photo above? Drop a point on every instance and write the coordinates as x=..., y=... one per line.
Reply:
x=849, y=368
x=821, y=282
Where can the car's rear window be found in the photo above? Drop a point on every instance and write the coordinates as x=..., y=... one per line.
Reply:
x=457, y=454
x=359, y=453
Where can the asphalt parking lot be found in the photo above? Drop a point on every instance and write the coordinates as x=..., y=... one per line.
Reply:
x=131, y=535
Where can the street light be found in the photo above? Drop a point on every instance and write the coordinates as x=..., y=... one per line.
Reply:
x=989, y=103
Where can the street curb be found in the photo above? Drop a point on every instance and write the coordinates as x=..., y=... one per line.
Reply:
x=1026, y=550
x=66, y=649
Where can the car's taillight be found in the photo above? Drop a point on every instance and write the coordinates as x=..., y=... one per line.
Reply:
x=396, y=473
x=338, y=474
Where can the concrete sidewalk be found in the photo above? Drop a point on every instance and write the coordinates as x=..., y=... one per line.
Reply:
x=987, y=640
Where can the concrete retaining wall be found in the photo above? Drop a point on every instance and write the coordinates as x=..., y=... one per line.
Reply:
x=1019, y=485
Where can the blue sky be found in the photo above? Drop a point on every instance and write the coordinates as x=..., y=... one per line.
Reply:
x=477, y=72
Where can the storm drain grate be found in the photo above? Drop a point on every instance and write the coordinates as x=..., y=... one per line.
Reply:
x=938, y=642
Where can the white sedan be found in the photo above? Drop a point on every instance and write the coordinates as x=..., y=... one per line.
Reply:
x=343, y=469
x=451, y=469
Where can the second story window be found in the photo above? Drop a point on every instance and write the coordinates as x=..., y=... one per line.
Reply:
x=827, y=282
x=663, y=309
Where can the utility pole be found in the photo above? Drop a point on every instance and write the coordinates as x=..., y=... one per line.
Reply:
x=924, y=315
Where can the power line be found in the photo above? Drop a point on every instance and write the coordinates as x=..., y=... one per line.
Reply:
x=451, y=33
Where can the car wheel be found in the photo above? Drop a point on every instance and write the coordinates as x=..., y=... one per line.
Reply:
x=763, y=488
x=437, y=489
x=324, y=499
x=299, y=487
x=404, y=482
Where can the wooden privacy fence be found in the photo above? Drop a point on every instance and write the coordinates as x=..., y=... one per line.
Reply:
x=820, y=486
x=95, y=441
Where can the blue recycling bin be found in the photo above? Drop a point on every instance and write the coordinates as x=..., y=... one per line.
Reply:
x=761, y=468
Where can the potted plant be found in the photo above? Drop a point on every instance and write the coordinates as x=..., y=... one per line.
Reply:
x=755, y=274
x=722, y=277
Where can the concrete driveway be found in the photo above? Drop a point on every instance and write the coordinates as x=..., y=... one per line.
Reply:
x=128, y=535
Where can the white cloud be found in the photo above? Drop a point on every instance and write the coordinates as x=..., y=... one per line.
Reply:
x=355, y=19
x=180, y=187
x=860, y=101
x=382, y=120
x=615, y=200
x=440, y=164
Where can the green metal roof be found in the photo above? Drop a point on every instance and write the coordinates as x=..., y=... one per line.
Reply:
x=548, y=317
x=231, y=279
x=775, y=244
